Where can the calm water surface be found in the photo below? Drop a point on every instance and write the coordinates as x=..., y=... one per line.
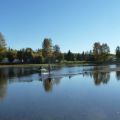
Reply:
x=72, y=93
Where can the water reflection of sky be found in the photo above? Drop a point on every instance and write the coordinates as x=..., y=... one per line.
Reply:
x=90, y=95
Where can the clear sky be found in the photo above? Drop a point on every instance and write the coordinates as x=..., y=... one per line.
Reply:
x=72, y=24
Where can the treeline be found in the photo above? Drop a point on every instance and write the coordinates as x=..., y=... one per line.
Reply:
x=50, y=53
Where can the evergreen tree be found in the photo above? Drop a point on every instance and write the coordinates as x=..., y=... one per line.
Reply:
x=70, y=56
x=78, y=57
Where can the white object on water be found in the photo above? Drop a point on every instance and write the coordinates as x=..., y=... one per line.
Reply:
x=43, y=70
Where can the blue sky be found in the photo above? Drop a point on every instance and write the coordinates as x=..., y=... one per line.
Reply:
x=72, y=24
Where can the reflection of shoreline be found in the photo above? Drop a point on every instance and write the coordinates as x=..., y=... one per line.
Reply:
x=5, y=77
x=100, y=75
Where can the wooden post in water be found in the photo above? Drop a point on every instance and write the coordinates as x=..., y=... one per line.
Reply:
x=49, y=68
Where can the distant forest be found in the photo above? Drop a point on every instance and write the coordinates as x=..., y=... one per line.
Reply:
x=49, y=53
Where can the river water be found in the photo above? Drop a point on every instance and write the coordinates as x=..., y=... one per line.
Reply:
x=69, y=93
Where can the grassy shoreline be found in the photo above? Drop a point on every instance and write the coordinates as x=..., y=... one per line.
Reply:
x=65, y=63
x=44, y=65
x=23, y=65
x=60, y=65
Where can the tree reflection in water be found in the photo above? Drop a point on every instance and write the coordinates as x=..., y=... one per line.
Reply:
x=3, y=89
x=101, y=75
x=118, y=73
x=3, y=85
x=49, y=82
